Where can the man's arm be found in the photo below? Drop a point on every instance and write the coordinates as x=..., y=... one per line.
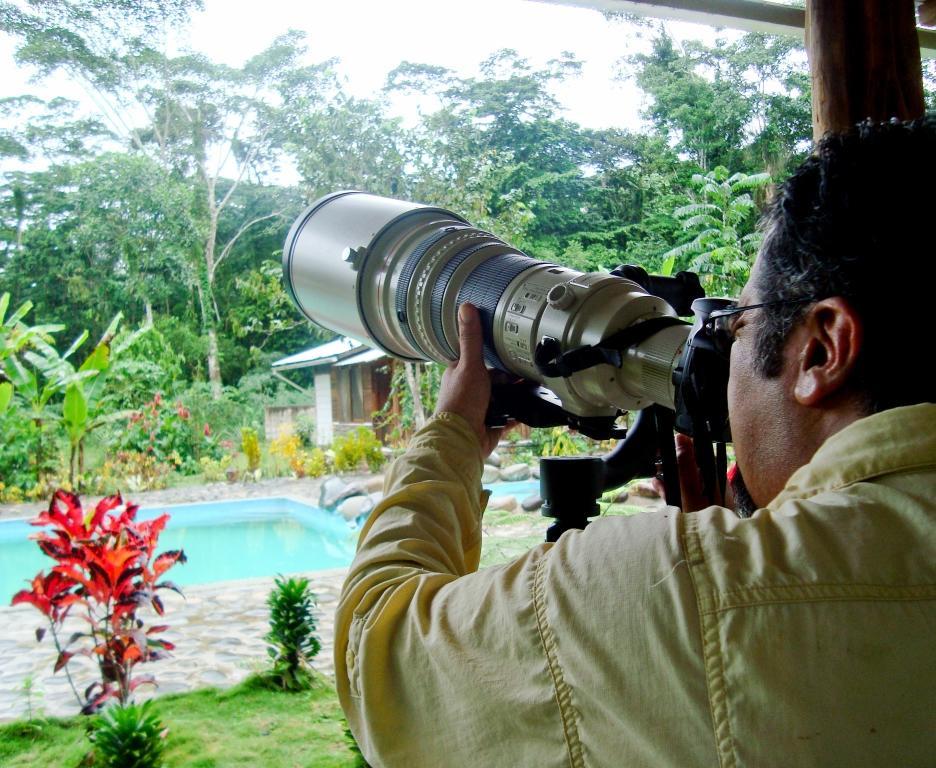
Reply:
x=437, y=664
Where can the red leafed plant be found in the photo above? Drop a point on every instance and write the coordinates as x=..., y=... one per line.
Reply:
x=106, y=569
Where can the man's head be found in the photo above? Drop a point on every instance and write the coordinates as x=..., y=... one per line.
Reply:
x=852, y=231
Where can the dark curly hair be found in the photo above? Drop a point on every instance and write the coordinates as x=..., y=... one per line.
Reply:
x=857, y=220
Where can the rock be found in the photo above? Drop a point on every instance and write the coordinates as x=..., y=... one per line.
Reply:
x=515, y=472
x=489, y=475
x=494, y=460
x=644, y=490
x=535, y=471
x=373, y=484
x=354, y=507
x=531, y=503
x=506, y=503
x=376, y=497
x=335, y=490
x=330, y=490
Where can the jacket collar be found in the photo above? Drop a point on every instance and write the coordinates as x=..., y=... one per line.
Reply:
x=895, y=440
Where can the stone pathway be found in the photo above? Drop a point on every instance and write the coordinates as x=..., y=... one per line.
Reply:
x=217, y=629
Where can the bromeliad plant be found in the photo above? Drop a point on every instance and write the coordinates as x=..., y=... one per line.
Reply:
x=106, y=570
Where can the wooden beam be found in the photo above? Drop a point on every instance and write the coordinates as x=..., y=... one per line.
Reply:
x=746, y=15
x=864, y=62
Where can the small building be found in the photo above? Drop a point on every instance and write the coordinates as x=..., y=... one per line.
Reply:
x=351, y=382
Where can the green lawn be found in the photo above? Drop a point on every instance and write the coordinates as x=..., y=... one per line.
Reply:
x=248, y=725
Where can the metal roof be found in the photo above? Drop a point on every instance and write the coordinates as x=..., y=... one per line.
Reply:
x=364, y=357
x=324, y=354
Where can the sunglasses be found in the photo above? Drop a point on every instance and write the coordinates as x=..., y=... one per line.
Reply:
x=720, y=326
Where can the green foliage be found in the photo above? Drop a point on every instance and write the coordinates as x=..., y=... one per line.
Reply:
x=250, y=445
x=558, y=441
x=356, y=448
x=293, y=643
x=214, y=469
x=17, y=457
x=743, y=104
x=165, y=431
x=262, y=726
x=133, y=471
x=302, y=462
x=130, y=736
x=722, y=222
x=398, y=415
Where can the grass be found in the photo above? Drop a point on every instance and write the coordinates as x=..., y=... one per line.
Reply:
x=250, y=724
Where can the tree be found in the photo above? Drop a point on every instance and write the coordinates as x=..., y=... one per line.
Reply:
x=345, y=143
x=722, y=221
x=742, y=104
x=206, y=120
x=210, y=125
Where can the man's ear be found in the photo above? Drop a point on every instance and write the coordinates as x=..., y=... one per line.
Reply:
x=829, y=344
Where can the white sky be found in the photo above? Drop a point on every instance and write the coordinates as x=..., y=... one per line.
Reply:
x=371, y=37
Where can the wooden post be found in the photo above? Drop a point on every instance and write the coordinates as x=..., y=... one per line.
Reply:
x=864, y=56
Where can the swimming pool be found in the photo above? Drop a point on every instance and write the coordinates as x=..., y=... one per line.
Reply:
x=225, y=540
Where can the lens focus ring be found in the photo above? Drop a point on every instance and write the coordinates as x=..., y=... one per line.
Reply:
x=484, y=287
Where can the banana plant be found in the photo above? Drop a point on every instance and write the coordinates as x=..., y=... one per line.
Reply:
x=84, y=408
x=15, y=337
x=38, y=375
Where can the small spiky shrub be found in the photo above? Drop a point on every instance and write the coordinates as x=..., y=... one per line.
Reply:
x=129, y=736
x=293, y=643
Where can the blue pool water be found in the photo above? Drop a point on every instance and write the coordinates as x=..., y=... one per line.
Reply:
x=225, y=540
x=222, y=540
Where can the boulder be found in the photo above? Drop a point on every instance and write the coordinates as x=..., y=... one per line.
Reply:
x=376, y=497
x=489, y=475
x=494, y=460
x=506, y=503
x=515, y=472
x=535, y=470
x=334, y=490
x=532, y=503
x=354, y=507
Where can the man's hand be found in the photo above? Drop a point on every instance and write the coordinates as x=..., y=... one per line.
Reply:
x=466, y=383
x=690, y=479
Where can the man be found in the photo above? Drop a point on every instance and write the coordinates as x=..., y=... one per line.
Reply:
x=802, y=635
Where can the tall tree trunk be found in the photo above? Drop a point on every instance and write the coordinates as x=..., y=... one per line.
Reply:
x=208, y=307
x=214, y=367
x=208, y=326
x=412, y=382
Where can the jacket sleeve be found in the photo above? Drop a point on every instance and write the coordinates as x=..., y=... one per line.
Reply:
x=422, y=638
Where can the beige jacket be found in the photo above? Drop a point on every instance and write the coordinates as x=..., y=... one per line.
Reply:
x=803, y=636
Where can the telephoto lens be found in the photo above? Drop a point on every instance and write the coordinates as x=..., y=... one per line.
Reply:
x=392, y=274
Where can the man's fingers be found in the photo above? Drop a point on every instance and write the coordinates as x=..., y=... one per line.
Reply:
x=470, y=340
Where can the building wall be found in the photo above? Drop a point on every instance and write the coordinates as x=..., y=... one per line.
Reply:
x=278, y=419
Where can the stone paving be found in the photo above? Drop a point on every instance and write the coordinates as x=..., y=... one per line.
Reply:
x=217, y=629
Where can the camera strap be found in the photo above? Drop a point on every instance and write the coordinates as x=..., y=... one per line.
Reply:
x=552, y=362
